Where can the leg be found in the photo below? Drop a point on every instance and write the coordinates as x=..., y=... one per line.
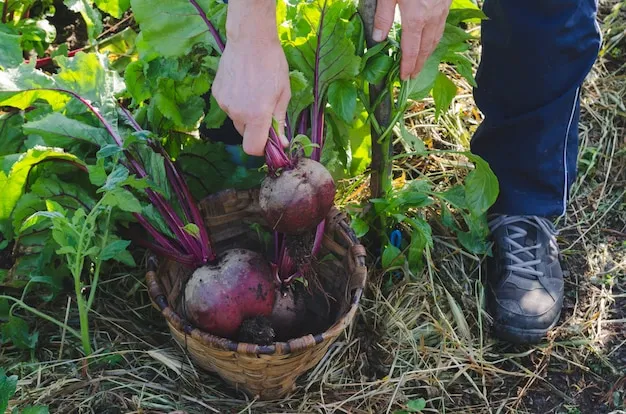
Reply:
x=536, y=54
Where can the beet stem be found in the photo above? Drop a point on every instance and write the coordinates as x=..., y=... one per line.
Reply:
x=212, y=29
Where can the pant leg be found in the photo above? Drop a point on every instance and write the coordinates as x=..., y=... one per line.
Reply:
x=535, y=56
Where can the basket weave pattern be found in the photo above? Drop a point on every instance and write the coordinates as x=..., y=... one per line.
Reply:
x=264, y=371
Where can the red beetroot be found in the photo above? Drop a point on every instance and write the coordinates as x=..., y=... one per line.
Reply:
x=299, y=198
x=219, y=297
x=287, y=317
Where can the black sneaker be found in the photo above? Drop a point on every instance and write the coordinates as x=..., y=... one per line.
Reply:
x=524, y=278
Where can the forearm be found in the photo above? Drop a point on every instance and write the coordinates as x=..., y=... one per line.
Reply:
x=251, y=20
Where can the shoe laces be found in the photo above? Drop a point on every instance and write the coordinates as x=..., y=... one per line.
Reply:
x=522, y=259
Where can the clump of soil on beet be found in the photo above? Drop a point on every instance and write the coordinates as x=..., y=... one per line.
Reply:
x=257, y=330
x=299, y=247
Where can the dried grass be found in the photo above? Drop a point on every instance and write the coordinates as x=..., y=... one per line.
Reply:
x=426, y=337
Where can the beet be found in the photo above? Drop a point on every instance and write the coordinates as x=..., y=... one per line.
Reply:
x=287, y=317
x=299, y=198
x=218, y=298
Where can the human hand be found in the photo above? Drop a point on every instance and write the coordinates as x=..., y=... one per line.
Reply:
x=423, y=22
x=252, y=80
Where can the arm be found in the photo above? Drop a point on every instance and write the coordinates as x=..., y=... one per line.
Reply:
x=252, y=81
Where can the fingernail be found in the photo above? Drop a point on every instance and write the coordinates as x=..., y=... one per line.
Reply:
x=377, y=35
x=284, y=140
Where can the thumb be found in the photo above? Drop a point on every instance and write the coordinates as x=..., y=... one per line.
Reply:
x=280, y=115
x=256, y=134
x=383, y=20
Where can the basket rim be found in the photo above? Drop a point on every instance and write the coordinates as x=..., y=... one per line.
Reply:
x=186, y=328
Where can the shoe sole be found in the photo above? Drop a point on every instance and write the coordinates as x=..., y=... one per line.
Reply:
x=522, y=336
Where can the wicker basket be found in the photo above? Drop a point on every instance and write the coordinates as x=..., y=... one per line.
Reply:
x=263, y=371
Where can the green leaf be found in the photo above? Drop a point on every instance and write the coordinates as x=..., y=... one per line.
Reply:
x=377, y=68
x=301, y=96
x=11, y=51
x=136, y=82
x=20, y=87
x=12, y=186
x=215, y=117
x=8, y=386
x=443, y=93
x=456, y=16
x=359, y=226
x=475, y=240
x=424, y=231
x=115, y=8
x=126, y=258
x=11, y=137
x=88, y=75
x=303, y=142
x=463, y=66
x=418, y=88
x=172, y=28
x=335, y=58
x=416, y=144
x=136, y=183
x=91, y=16
x=455, y=196
x=416, y=252
x=157, y=175
x=97, y=173
x=416, y=405
x=55, y=191
x=391, y=257
x=16, y=331
x=446, y=217
x=207, y=169
x=109, y=150
x=66, y=250
x=192, y=229
x=372, y=52
x=481, y=186
x=342, y=98
x=117, y=176
x=154, y=217
x=453, y=36
x=122, y=199
x=57, y=130
x=113, y=249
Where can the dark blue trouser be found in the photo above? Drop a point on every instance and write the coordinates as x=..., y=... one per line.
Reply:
x=535, y=56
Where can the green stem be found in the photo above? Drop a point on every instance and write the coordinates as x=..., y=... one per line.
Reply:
x=80, y=301
x=42, y=315
x=96, y=277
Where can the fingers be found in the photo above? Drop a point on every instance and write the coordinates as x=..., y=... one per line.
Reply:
x=427, y=45
x=280, y=115
x=383, y=20
x=255, y=135
x=240, y=127
x=410, y=44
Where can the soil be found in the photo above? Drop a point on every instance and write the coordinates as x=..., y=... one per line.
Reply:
x=257, y=330
x=6, y=257
x=71, y=28
x=299, y=247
